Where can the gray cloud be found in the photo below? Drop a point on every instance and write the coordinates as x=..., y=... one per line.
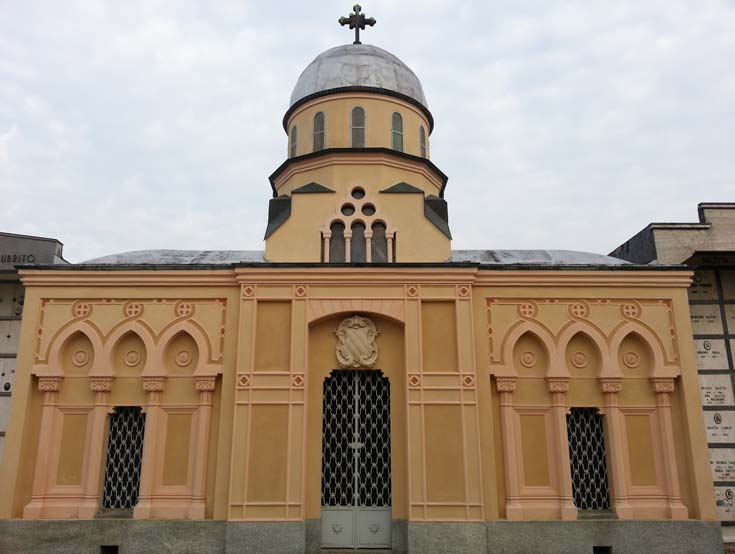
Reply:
x=154, y=124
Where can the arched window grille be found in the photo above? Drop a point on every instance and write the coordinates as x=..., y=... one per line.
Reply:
x=379, y=243
x=397, y=131
x=358, y=233
x=292, y=145
x=357, y=243
x=358, y=127
x=337, y=242
x=319, y=134
x=422, y=141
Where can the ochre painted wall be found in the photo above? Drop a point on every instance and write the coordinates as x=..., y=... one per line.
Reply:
x=483, y=366
x=337, y=109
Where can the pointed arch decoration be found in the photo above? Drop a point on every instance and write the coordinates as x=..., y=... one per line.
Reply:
x=609, y=369
x=135, y=327
x=205, y=366
x=661, y=366
x=52, y=365
x=507, y=369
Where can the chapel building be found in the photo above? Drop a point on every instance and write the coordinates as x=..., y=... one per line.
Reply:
x=357, y=385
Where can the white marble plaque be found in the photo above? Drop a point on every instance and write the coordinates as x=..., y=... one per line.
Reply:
x=9, y=333
x=716, y=390
x=711, y=354
x=727, y=278
x=720, y=426
x=725, y=503
x=722, y=461
x=4, y=412
x=7, y=374
x=704, y=285
x=706, y=319
x=730, y=317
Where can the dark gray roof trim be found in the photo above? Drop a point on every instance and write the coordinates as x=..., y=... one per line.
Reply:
x=402, y=187
x=279, y=210
x=380, y=150
x=311, y=188
x=175, y=258
x=435, y=210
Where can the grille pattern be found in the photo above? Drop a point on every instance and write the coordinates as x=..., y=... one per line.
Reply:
x=347, y=394
x=374, y=430
x=338, y=477
x=587, y=458
x=124, y=453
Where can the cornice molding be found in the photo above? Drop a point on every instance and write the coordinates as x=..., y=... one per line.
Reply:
x=355, y=275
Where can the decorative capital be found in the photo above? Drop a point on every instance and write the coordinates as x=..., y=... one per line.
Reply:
x=663, y=385
x=558, y=385
x=49, y=384
x=505, y=384
x=611, y=385
x=153, y=385
x=101, y=384
x=205, y=384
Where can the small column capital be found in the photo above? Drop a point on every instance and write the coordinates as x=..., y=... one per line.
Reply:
x=505, y=384
x=101, y=384
x=49, y=384
x=613, y=386
x=205, y=384
x=663, y=385
x=153, y=384
x=558, y=385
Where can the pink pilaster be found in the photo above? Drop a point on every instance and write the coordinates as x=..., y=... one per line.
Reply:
x=154, y=388
x=93, y=456
x=513, y=507
x=558, y=387
x=205, y=386
x=616, y=445
x=664, y=388
x=50, y=386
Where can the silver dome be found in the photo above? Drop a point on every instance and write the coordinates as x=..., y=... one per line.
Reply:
x=358, y=65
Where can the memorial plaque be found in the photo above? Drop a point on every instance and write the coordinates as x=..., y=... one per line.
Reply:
x=4, y=413
x=716, y=390
x=711, y=354
x=706, y=319
x=7, y=374
x=730, y=317
x=720, y=426
x=704, y=285
x=9, y=334
x=727, y=278
x=725, y=503
x=722, y=461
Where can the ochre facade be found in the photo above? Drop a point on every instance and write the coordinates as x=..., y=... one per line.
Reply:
x=483, y=367
x=486, y=356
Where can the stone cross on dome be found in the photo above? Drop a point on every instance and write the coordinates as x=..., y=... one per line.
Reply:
x=357, y=21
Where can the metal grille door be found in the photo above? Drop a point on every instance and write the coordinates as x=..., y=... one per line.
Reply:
x=356, y=477
x=124, y=453
x=587, y=458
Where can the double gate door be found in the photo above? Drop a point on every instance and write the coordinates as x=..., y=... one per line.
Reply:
x=356, y=475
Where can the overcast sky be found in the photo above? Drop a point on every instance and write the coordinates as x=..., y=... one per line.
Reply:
x=568, y=125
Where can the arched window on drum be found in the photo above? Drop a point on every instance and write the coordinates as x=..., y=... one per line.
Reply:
x=358, y=127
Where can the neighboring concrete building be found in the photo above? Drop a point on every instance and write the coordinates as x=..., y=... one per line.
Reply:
x=358, y=384
x=16, y=250
x=707, y=246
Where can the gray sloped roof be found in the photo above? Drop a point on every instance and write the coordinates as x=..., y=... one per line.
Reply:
x=534, y=257
x=358, y=65
x=176, y=257
x=483, y=257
